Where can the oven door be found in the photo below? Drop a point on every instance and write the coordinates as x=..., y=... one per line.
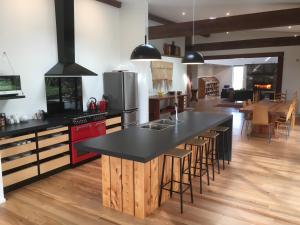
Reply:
x=79, y=156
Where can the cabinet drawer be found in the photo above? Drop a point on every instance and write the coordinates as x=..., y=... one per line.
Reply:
x=112, y=130
x=19, y=162
x=18, y=149
x=54, y=164
x=52, y=131
x=54, y=151
x=53, y=140
x=16, y=139
x=20, y=176
x=113, y=121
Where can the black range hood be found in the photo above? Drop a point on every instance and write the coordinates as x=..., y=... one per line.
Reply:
x=66, y=66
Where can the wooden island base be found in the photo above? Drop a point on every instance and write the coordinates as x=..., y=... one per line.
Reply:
x=132, y=187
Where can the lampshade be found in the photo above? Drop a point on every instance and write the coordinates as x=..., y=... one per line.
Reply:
x=145, y=52
x=193, y=57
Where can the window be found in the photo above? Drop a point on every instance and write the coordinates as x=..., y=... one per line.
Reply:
x=238, y=77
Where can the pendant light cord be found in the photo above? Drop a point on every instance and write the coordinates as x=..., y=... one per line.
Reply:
x=146, y=21
x=193, y=41
x=9, y=63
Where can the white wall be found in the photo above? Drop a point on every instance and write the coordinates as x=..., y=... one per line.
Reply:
x=224, y=75
x=28, y=35
x=133, y=22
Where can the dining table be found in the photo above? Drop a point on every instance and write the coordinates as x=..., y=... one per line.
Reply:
x=276, y=110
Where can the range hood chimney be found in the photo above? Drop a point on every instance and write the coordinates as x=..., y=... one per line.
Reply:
x=66, y=66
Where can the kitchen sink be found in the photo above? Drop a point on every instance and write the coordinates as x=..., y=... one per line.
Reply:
x=155, y=126
x=167, y=122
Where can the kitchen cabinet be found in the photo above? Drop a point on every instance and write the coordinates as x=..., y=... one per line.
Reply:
x=26, y=157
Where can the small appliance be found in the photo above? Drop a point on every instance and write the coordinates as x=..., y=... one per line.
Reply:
x=92, y=104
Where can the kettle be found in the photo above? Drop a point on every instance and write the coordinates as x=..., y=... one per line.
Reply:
x=92, y=104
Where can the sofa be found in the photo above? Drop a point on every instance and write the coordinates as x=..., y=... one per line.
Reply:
x=236, y=95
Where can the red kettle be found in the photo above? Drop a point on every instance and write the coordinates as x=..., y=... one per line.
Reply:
x=92, y=104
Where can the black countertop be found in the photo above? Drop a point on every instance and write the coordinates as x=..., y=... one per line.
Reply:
x=32, y=126
x=36, y=125
x=143, y=145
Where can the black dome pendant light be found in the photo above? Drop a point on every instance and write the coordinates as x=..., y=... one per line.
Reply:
x=193, y=57
x=145, y=52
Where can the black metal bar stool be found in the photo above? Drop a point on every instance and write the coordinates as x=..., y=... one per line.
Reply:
x=201, y=147
x=212, y=153
x=224, y=132
x=181, y=155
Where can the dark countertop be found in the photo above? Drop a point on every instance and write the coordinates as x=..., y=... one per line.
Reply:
x=32, y=126
x=143, y=145
x=37, y=125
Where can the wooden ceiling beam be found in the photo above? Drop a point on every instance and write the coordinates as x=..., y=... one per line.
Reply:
x=113, y=3
x=278, y=18
x=243, y=44
x=159, y=19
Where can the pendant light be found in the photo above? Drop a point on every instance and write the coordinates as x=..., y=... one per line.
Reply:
x=193, y=57
x=146, y=51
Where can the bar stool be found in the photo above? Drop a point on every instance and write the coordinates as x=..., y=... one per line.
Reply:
x=181, y=155
x=212, y=153
x=201, y=147
x=224, y=132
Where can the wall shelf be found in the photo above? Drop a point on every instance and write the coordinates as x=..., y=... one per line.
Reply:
x=11, y=97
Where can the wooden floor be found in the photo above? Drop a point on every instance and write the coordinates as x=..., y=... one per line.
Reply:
x=261, y=186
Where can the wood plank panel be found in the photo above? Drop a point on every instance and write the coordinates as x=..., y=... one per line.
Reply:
x=54, y=151
x=142, y=189
x=52, y=131
x=112, y=130
x=20, y=176
x=54, y=140
x=16, y=139
x=18, y=149
x=155, y=184
x=113, y=121
x=105, y=180
x=128, y=186
x=116, y=183
x=54, y=164
x=19, y=162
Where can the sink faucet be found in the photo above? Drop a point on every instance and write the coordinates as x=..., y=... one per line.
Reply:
x=176, y=106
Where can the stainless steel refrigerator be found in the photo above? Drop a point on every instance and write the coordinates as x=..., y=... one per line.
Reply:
x=121, y=90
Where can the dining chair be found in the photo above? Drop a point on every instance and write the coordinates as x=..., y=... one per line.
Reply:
x=261, y=118
x=286, y=122
x=247, y=117
x=281, y=96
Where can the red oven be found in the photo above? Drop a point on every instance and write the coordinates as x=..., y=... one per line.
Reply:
x=84, y=132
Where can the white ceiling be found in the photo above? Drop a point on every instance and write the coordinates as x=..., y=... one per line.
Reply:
x=242, y=61
x=172, y=9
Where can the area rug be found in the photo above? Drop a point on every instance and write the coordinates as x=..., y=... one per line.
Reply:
x=230, y=104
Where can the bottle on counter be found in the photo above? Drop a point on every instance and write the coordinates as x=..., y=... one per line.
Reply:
x=2, y=119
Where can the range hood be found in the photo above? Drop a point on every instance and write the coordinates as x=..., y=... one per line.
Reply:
x=66, y=66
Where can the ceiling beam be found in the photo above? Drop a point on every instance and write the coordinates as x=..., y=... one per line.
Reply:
x=243, y=44
x=278, y=18
x=164, y=21
x=113, y=3
x=159, y=19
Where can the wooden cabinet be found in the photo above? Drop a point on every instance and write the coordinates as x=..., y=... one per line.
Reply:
x=25, y=157
x=113, y=124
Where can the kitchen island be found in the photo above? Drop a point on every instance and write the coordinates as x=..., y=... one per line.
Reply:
x=132, y=160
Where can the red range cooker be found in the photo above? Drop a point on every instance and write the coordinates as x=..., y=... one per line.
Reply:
x=83, y=128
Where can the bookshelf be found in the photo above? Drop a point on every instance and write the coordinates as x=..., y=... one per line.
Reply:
x=208, y=86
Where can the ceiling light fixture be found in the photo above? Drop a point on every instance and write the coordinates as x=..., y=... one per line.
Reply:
x=212, y=18
x=183, y=13
x=228, y=14
x=145, y=52
x=227, y=32
x=296, y=35
x=290, y=27
x=193, y=57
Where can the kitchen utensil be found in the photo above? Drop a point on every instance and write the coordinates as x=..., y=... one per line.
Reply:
x=92, y=104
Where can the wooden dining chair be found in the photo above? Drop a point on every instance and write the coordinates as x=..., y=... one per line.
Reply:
x=281, y=96
x=247, y=117
x=261, y=118
x=286, y=122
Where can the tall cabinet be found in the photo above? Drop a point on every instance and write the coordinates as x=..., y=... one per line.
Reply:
x=208, y=86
